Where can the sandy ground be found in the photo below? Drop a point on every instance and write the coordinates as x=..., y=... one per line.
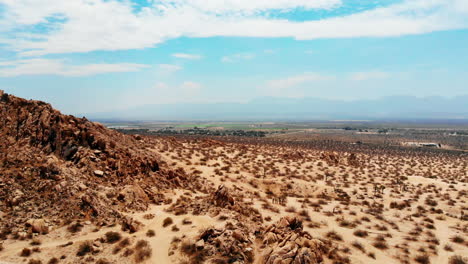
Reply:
x=311, y=185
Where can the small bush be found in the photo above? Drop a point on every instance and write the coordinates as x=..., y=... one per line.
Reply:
x=422, y=259
x=290, y=209
x=121, y=245
x=448, y=247
x=142, y=251
x=334, y=236
x=84, y=248
x=360, y=233
x=150, y=233
x=380, y=245
x=458, y=239
x=53, y=261
x=103, y=261
x=167, y=222
x=359, y=246
x=74, y=228
x=112, y=237
x=35, y=242
x=26, y=252
x=34, y=261
x=457, y=260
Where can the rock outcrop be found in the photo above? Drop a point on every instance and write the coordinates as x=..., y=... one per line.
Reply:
x=56, y=167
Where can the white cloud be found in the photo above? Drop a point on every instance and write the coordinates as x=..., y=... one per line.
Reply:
x=371, y=75
x=296, y=80
x=85, y=25
x=169, y=68
x=237, y=57
x=191, y=87
x=59, y=67
x=187, y=56
x=249, y=6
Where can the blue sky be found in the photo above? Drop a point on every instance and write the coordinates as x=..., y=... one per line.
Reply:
x=96, y=55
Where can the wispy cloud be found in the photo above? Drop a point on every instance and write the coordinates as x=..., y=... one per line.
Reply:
x=296, y=80
x=83, y=26
x=59, y=67
x=370, y=75
x=169, y=68
x=187, y=56
x=237, y=57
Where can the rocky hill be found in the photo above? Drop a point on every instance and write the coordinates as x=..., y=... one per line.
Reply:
x=56, y=167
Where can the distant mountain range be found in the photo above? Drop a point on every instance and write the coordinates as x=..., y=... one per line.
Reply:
x=272, y=108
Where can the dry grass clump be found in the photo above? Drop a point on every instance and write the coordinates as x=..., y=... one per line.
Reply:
x=75, y=227
x=143, y=251
x=448, y=247
x=422, y=259
x=103, y=261
x=53, y=260
x=121, y=245
x=85, y=248
x=35, y=242
x=458, y=260
x=112, y=237
x=150, y=233
x=26, y=252
x=458, y=239
x=334, y=235
x=186, y=221
x=167, y=222
x=358, y=245
x=34, y=261
x=360, y=233
x=380, y=245
x=290, y=209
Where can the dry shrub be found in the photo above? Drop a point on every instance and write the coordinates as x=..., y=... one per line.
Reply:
x=34, y=261
x=85, y=248
x=360, y=233
x=167, y=222
x=457, y=260
x=458, y=239
x=112, y=237
x=53, y=261
x=26, y=252
x=359, y=246
x=74, y=228
x=380, y=245
x=150, y=233
x=422, y=259
x=334, y=235
x=35, y=242
x=448, y=247
x=103, y=261
x=121, y=245
x=143, y=251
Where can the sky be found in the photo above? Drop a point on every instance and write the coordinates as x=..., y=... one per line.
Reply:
x=86, y=56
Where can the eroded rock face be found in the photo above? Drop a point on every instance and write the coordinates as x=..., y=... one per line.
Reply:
x=55, y=166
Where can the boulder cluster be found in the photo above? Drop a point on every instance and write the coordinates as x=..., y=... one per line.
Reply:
x=56, y=167
x=286, y=242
